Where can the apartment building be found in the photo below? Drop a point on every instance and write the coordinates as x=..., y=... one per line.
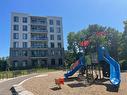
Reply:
x=36, y=41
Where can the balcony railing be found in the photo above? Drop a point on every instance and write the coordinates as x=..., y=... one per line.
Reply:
x=43, y=55
x=39, y=46
x=36, y=21
x=39, y=38
x=34, y=30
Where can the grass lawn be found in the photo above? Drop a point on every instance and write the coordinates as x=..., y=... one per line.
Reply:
x=11, y=74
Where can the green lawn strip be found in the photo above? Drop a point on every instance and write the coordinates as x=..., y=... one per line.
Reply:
x=11, y=74
x=40, y=70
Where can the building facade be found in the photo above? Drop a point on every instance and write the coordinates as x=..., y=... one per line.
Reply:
x=36, y=41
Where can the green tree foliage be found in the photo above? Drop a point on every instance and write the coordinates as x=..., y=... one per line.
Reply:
x=110, y=39
x=3, y=63
x=124, y=43
x=70, y=58
x=113, y=39
x=114, y=42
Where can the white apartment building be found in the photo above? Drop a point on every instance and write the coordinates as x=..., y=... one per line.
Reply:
x=36, y=41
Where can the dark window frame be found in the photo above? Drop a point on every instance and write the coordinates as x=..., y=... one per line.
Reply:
x=52, y=37
x=51, y=22
x=24, y=28
x=24, y=19
x=58, y=22
x=25, y=45
x=16, y=27
x=16, y=19
x=52, y=45
x=14, y=44
x=15, y=35
x=52, y=29
x=59, y=45
x=59, y=37
x=53, y=62
x=24, y=36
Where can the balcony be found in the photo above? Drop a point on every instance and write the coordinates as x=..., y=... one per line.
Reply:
x=39, y=21
x=39, y=28
x=41, y=31
x=38, y=46
x=39, y=53
x=39, y=38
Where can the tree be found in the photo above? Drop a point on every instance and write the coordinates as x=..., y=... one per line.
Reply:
x=124, y=43
x=3, y=63
x=73, y=45
x=111, y=39
x=69, y=58
x=114, y=42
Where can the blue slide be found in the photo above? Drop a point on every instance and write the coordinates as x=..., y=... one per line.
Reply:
x=71, y=72
x=114, y=66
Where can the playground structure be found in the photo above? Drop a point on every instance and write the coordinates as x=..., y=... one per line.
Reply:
x=102, y=66
x=110, y=68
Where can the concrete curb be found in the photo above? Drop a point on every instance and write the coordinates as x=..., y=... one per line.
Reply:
x=19, y=90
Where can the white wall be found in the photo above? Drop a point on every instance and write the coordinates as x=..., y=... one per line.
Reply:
x=20, y=23
x=20, y=40
x=55, y=32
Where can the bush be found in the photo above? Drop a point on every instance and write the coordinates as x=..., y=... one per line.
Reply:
x=124, y=65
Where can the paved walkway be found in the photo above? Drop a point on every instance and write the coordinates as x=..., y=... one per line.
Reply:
x=7, y=84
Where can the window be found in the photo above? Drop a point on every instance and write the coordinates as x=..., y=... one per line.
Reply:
x=45, y=53
x=38, y=20
x=24, y=36
x=59, y=52
x=42, y=22
x=24, y=19
x=24, y=63
x=15, y=63
x=33, y=20
x=51, y=22
x=24, y=52
x=51, y=37
x=16, y=27
x=15, y=44
x=58, y=29
x=24, y=44
x=60, y=61
x=15, y=53
x=38, y=28
x=38, y=45
x=59, y=45
x=39, y=53
x=45, y=45
x=16, y=19
x=51, y=29
x=52, y=53
x=52, y=45
x=15, y=35
x=52, y=61
x=58, y=37
x=24, y=27
x=57, y=22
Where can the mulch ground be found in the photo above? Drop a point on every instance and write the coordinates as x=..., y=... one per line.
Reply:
x=45, y=85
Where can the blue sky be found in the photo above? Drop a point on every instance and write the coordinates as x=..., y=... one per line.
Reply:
x=77, y=14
